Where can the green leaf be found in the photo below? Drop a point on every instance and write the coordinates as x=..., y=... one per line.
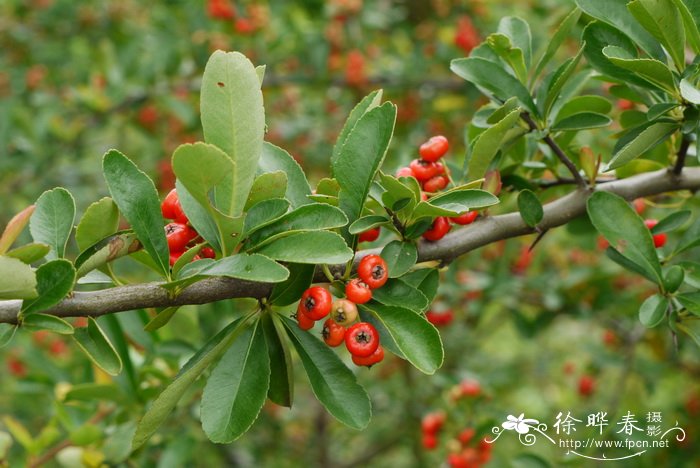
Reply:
x=581, y=121
x=400, y=294
x=266, y=186
x=300, y=278
x=15, y=227
x=486, y=146
x=690, y=92
x=87, y=392
x=361, y=157
x=689, y=23
x=237, y=387
x=512, y=55
x=494, y=79
x=263, y=213
x=367, y=222
x=646, y=140
x=653, y=71
x=52, y=220
x=426, y=280
x=617, y=221
x=455, y=202
x=243, y=266
x=397, y=192
x=559, y=79
x=276, y=159
x=621, y=260
x=166, y=401
x=137, y=199
x=100, y=220
x=94, y=343
x=689, y=240
x=367, y=103
x=663, y=20
x=7, y=332
x=309, y=247
x=417, y=338
x=518, y=31
x=653, y=310
x=281, y=389
x=662, y=108
x=29, y=253
x=107, y=250
x=400, y=257
x=47, y=322
x=233, y=119
x=672, y=222
x=615, y=13
x=314, y=217
x=18, y=279
x=557, y=39
x=690, y=301
x=199, y=217
x=333, y=384
x=530, y=208
x=161, y=319
x=581, y=104
x=55, y=280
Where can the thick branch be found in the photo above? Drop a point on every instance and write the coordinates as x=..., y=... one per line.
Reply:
x=484, y=231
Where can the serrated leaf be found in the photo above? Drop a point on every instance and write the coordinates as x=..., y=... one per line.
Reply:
x=290, y=291
x=309, y=247
x=135, y=195
x=653, y=310
x=55, y=280
x=417, y=338
x=15, y=227
x=487, y=145
x=617, y=221
x=332, y=382
x=361, y=157
x=530, y=208
x=52, y=220
x=646, y=140
x=101, y=219
x=400, y=257
x=233, y=119
x=276, y=159
x=47, y=322
x=95, y=344
x=237, y=387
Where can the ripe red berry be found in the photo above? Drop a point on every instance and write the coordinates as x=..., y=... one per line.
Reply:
x=369, y=235
x=440, y=318
x=436, y=183
x=333, y=333
x=362, y=339
x=207, y=252
x=373, y=271
x=434, y=148
x=178, y=236
x=174, y=256
x=469, y=388
x=344, y=312
x=432, y=422
x=305, y=323
x=171, y=208
x=316, y=303
x=429, y=441
x=465, y=218
x=374, y=358
x=405, y=172
x=639, y=205
x=659, y=239
x=357, y=291
x=466, y=435
x=586, y=385
x=424, y=170
x=437, y=231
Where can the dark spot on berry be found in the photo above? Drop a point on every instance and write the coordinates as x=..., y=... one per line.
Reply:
x=309, y=303
x=378, y=272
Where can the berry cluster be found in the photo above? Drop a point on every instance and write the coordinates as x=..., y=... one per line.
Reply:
x=432, y=175
x=179, y=233
x=361, y=338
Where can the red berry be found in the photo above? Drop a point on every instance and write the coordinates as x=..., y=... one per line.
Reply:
x=316, y=303
x=357, y=291
x=362, y=339
x=171, y=208
x=207, y=252
x=333, y=334
x=659, y=239
x=344, y=312
x=405, y=172
x=369, y=235
x=221, y=9
x=305, y=323
x=178, y=236
x=434, y=148
x=373, y=271
x=437, y=231
x=429, y=441
x=466, y=435
x=424, y=170
x=440, y=318
x=374, y=358
x=639, y=205
x=586, y=385
x=432, y=422
x=469, y=388
x=174, y=256
x=465, y=218
x=436, y=183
